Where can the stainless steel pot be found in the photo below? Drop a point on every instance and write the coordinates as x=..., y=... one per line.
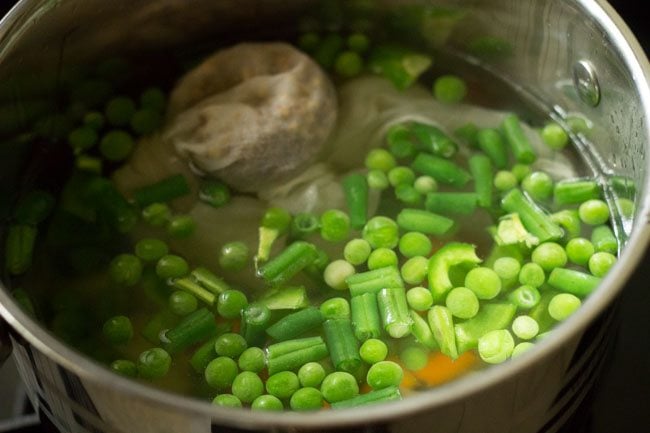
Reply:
x=566, y=56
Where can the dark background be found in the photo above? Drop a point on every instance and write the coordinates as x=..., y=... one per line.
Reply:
x=621, y=400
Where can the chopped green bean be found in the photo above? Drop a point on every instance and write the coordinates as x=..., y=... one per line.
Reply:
x=418, y=220
x=442, y=325
x=295, y=324
x=480, y=167
x=342, y=345
x=442, y=170
x=356, y=195
x=519, y=144
x=571, y=281
x=490, y=142
x=604, y=239
x=365, y=316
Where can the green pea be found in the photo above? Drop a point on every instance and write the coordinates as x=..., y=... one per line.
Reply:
x=118, y=330
x=252, y=359
x=157, y=214
x=126, y=269
x=171, y=266
x=594, y=212
x=181, y=226
x=554, y=136
x=462, y=302
x=549, y=256
x=484, y=282
x=382, y=257
x=419, y=298
x=348, y=64
x=356, y=251
x=145, y=121
x=413, y=244
x=380, y=159
x=335, y=225
x=151, y=250
x=311, y=374
x=267, y=402
x=234, y=256
x=538, y=185
x=230, y=344
x=415, y=270
x=182, y=303
x=226, y=400
x=504, y=180
x=308, y=398
x=119, y=110
x=496, y=346
x=384, y=374
x=154, y=363
x=414, y=358
x=449, y=89
x=124, y=367
x=600, y=263
x=563, y=305
x=230, y=303
x=247, y=386
x=339, y=386
x=377, y=179
x=283, y=384
x=373, y=350
x=221, y=372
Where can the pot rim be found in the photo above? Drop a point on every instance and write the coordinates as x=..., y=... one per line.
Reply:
x=636, y=62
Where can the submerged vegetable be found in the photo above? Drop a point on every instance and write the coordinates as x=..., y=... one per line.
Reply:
x=303, y=261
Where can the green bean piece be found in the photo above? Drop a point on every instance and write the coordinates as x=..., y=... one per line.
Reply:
x=356, y=196
x=569, y=220
x=452, y=254
x=190, y=286
x=496, y=346
x=381, y=232
x=442, y=170
x=165, y=190
x=575, y=191
x=230, y=344
x=339, y=386
x=492, y=144
x=422, y=331
x=286, y=298
x=247, y=386
x=524, y=297
x=365, y=316
x=393, y=310
x=194, y=328
x=540, y=313
x=458, y=203
x=209, y=281
x=255, y=318
x=519, y=144
x=214, y=193
x=373, y=397
x=449, y=89
x=203, y=355
x=490, y=317
x=118, y=330
x=604, y=239
x=288, y=263
x=267, y=402
x=153, y=363
x=19, y=248
x=419, y=220
x=480, y=167
x=536, y=221
x=234, y=256
x=311, y=374
x=384, y=374
x=283, y=384
x=34, y=208
x=335, y=308
x=574, y=282
x=293, y=354
x=342, y=345
x=373, y=281
x=442, y=325
x=303, y=225
x=307, y=398
x=400, y=141
x=399, y=65
x=295, y=324
x=430, y=139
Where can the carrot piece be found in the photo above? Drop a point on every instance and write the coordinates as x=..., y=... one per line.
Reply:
x=442, y=368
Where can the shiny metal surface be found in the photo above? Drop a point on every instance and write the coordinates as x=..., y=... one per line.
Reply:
x=545, y=39
x=585, y=81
